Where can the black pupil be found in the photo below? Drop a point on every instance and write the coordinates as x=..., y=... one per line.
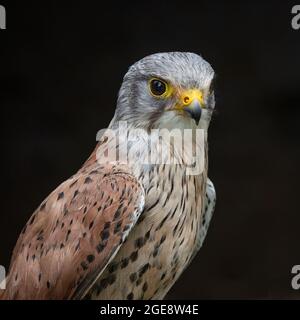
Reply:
x=157, y=87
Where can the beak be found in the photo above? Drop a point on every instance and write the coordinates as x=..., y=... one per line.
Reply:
x=192, y=102
x=194, y=109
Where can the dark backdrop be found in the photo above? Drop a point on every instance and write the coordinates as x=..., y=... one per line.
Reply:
x=61, y=68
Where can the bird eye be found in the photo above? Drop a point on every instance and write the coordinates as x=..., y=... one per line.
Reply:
x=158, y=87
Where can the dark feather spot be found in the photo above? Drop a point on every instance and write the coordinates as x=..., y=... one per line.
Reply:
x=84, y=265
x=141, y=218
x=100, y=247
x=104, y=283
x=153, y=205
x=124, y=263
x=127, y=227
x=68, y=233
x=145, y=286
x=163, y=238
x=144, y=269
x=155, y=251
x=90, y=258
x=60, y=196
x=104, y=234
x=118, y=227
x=147, y=235
x=107, y=225
x=73, y=183
x=134, y=256
x=139, y=242
x=133, y=277
x=99, y=289
x=130, y=296
x=162, y=222
x=66, y=211
x=75, y=193
x=91, y=225
x=113, y=267
x=77, y=246
x=24, y=229
x=88, y=180
x=32, y=219
x=111, y=279
x=173, y=213
x=117, y=214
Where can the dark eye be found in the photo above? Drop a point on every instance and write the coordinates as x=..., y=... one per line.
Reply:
x=158, y=87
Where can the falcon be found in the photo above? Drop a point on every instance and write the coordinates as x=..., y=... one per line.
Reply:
x=126, y=229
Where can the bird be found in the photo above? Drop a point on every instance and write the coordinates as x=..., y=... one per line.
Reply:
x=126, y=228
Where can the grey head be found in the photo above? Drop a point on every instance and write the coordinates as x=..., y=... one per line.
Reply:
x=172, y=89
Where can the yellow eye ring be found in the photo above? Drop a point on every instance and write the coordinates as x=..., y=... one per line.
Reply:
x=159, y=88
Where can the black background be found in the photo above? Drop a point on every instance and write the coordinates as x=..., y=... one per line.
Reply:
x=61, y=68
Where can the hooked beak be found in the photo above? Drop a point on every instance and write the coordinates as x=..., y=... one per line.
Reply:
x=191, y=101
x=194, y=109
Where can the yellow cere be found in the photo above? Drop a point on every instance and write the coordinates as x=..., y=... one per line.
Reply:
x=188, y=96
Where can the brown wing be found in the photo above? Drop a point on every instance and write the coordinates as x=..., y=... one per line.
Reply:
x=72, y=236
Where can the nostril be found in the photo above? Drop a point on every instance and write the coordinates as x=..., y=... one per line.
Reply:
x=186, y=99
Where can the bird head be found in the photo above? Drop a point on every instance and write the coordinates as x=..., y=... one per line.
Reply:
x=167, y=90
